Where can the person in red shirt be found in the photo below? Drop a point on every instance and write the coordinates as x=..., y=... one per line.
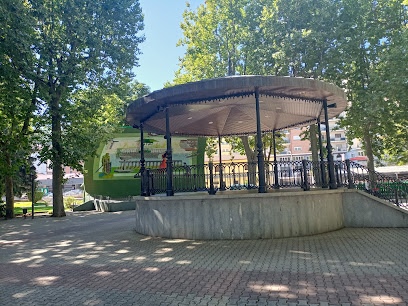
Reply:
x=163, y=164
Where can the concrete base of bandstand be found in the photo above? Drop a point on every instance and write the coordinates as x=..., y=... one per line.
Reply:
x=249, y=215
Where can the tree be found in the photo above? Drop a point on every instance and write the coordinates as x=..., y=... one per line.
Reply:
x=20, y=177
x=391, y=81
x=215, y=36
x=295, y=32
x=267, y=140
x=367, y=28
x=38, y=195
x=246, y=145
x=348, y=55
x=211, y=147
x=18, y=92
x=83, y=50
x=290, y=37
x=300, y=47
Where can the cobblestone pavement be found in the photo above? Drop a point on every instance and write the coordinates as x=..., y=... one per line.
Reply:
x=97, y=259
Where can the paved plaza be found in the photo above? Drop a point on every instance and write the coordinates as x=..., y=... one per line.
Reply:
x=97, y=259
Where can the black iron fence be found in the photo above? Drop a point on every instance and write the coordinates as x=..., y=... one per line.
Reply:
x=281, y=174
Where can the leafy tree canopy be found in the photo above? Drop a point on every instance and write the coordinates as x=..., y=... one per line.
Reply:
x=71, y=67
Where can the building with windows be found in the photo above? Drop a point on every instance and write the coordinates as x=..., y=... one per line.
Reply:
x=297, y=148
x=73, y=178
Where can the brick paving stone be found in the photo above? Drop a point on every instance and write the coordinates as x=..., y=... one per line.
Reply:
x=97, y=259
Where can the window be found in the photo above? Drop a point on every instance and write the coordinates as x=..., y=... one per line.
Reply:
x=297, y=148
x=361, y=153
x=296, y=137
x=337, y=135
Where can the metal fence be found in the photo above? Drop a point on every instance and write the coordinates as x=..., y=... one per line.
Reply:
x=281, y=174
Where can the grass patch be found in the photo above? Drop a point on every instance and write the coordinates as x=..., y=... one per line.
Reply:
x=27, y=204
x=38, y=207
x=19, y=210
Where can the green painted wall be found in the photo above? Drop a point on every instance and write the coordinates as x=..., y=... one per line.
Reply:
x=121, y=187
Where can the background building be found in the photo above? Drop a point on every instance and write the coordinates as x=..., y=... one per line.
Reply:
x=297, y=148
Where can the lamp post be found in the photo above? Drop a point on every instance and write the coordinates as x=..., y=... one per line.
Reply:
x=32, y=174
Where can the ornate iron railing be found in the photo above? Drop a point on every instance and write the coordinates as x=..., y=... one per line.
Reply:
x=385, y=187
x=281, y=174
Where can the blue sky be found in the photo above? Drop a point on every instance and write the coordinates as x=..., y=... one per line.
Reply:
x=162, y=30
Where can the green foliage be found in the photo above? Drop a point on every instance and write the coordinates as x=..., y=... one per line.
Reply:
x=85, y=52
x=359, y=45
x=70, y=202
x=391, y=82
x=2, y=210
x=38, y=195
x=222, y=38
x=68, y=63
x=17, y=90
x=372, y=115
x=37, y=209
x=211, y=147
x=22, y=180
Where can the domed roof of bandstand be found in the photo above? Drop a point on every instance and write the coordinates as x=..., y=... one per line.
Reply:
x=226, y=106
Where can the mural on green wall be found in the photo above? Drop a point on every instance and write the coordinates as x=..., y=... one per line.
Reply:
x=120, y=157
x=111, y=172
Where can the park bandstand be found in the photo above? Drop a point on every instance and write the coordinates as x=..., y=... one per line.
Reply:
x=234, y=106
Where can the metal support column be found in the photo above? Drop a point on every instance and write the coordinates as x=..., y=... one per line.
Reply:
x=306, y=185
x=169, y=158
x=221, y=172
x=142, y=163
x=259, y=145
x=330, y=162
x=275, y=163
x=211, y=191
x=349, y=176
x=322, y=168
x=337, y=175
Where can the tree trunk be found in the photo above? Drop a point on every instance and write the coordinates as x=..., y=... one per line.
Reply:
x=252, y=170
x=370, y=156
x=251, y=157
x=268, y=170
x=314, y=147
x=9, y=192
x=57, y=171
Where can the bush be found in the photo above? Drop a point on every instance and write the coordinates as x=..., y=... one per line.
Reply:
x=37, y=196
x=70, y=202
x=2, y=210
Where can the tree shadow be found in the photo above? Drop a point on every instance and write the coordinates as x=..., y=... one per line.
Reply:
x=88, y=255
